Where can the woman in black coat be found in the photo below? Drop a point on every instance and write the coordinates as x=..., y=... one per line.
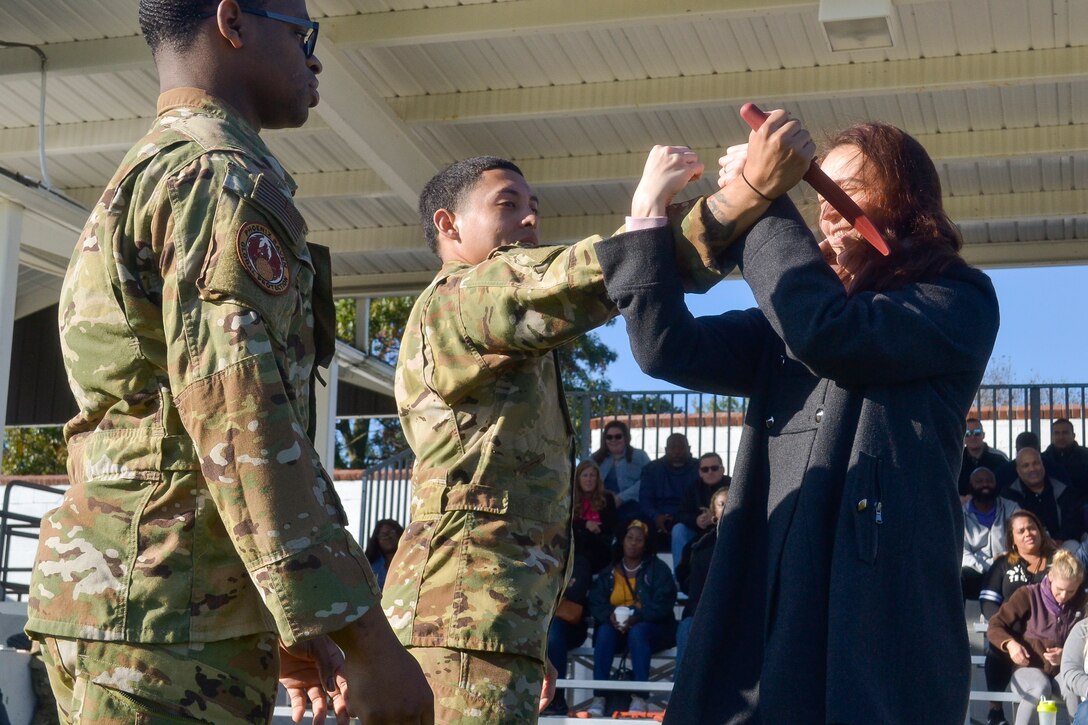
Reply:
x=834, y=592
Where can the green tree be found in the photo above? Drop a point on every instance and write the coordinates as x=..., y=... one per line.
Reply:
x=34, y=451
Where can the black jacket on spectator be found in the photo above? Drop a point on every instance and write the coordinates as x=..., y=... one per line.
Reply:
x=1059, y=507
x=1075, y=461
x=596, y=548
x=697, y=500
x=694, y=567
x=1007, y=473
x=834, y=594
x=989, y=459
x=654, y=588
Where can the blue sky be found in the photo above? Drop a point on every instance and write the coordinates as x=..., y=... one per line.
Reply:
x=1043, y=336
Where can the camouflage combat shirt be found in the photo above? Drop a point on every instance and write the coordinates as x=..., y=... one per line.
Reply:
x=191, y=318
x=484, y=559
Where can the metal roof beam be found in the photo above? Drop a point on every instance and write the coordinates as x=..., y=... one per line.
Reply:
x=531, y=17
x=77, y=57
x=363, y=119
x=102, y=136
x=733, y=89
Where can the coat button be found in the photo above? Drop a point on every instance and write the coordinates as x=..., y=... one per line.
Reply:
x=819, y=414
x=769, y=422
x=863, y=504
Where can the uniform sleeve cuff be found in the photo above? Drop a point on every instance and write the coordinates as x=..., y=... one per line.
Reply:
x=318, y=590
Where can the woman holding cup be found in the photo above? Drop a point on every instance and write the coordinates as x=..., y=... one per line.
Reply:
x=632, y=602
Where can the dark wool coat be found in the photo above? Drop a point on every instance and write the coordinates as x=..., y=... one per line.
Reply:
x=834, y=591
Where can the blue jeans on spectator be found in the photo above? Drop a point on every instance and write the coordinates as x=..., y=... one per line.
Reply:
x=1081, y=718
x=562, y=638
x=682, y=632
x=642, y=641
x=681, y=537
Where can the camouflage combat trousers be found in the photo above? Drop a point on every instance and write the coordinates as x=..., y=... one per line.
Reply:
x=481, y=688
x=229, y=682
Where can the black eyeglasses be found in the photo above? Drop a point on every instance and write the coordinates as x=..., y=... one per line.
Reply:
x=709, y=469
x=972, y=432
x=614, y=437
x=309, y=40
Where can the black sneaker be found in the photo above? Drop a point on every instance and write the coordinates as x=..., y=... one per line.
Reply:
x=996, y=717
x=557, y=707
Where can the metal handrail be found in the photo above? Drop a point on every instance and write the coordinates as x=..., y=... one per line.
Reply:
x=25, y=527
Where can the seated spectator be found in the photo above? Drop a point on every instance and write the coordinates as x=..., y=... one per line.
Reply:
x=569, y=628
x=663, y=484
x=1059, y=507
x=1006, y=474
x=1028, y=557
x=621, y=467
x=631, y=602
x=694, y=517
x=976, y=453
x=985, y=520
x=381, y=546
x=693, y=568
x=594, y=517
x=1031, y=629
x=1065, y=450
x=1074, y=673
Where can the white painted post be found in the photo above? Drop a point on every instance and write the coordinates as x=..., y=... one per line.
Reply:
x=362, y=324
x=11, y=228
x=325, y=433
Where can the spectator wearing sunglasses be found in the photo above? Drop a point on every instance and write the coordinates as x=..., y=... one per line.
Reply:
x=621, y=467
x=695, y=518
x=976, y=453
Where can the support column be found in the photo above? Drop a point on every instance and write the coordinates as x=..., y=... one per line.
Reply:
x=362, y=324
x=11, y=230
x=325, y=435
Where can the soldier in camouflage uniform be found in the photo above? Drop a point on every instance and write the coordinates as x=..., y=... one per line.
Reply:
x=480, y=569
x=200, y=533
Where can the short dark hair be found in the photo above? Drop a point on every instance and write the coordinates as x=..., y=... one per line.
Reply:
x=447, y=189
x=1062, y=421
x=174, y=23
x=1027, y=439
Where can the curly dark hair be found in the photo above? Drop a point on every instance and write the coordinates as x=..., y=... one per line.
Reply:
x=447, y=189
x=373, y=551
x=174, y=23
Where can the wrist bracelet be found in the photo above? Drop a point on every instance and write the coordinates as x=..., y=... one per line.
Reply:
x=754, y=188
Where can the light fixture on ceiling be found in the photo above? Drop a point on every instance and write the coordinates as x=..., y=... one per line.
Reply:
x=857, y=24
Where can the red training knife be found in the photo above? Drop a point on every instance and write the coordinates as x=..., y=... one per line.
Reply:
x=828, y=189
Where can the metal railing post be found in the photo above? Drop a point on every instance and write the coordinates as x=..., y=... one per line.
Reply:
x=584, y=410
x=1034, y=409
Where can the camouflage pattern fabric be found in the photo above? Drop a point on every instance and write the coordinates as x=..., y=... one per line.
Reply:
x=481, y=688
x=484, y=559
x=198, y=508
x=107, y=683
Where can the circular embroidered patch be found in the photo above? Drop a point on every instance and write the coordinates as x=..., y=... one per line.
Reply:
x=263, y=258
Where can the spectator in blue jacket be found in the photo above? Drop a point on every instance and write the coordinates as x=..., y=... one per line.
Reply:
x=621, y=467
x=664, y=482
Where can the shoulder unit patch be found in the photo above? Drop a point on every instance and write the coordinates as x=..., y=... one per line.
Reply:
x=262, y=258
